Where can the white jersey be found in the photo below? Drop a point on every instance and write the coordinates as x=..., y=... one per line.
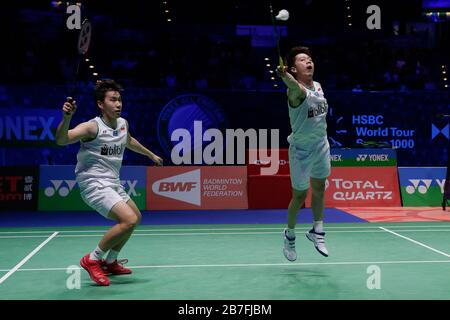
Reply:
x=101, y=157
x=308, y=121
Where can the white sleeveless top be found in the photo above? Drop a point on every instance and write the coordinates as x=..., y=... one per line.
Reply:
x=308, y=121
x=101, y=158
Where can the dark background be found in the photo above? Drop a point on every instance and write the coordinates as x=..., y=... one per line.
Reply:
x=396, y=72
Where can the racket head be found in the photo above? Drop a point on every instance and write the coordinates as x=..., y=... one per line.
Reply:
x=84, y=37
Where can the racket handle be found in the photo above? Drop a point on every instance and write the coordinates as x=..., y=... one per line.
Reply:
x=281, y=63
x=69, y=100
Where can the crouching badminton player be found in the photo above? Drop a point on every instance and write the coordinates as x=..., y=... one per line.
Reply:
x=102, y=144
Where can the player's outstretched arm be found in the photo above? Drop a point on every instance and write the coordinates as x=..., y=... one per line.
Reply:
x=136, y=146
x=85, y=130
x=296, y=92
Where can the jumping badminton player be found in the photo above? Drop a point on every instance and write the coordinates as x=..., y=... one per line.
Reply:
x=102, y=144
x=309, y=150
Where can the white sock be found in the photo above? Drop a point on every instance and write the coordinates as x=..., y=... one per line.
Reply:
x=318, y=226
x=112, y=256
x=97, y=254
x=290, y=233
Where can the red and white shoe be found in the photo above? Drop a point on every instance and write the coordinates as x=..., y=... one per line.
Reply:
x=115, y=268
x=94, y=268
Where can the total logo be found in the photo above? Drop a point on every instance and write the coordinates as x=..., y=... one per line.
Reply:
x=359, y=190
x=64, y=187
x=422, y=185
x=183, y=187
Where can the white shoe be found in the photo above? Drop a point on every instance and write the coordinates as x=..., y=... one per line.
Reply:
x=289, y=247
x=318, y=238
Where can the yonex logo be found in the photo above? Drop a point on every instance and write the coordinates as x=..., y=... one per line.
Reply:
x=336, y=157
x=372, y=157
x=422, y=185
x=131, y=185
x=57, y=186
x=361, y=157
x=183, y=187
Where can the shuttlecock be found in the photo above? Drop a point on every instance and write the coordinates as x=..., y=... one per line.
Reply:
x=282, y=15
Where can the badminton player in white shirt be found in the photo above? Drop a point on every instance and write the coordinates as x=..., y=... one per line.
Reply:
x=102, y=144
x=309, y=150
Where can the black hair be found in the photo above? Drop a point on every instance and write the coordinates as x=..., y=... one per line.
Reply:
x=103, y=86
x=293, y=52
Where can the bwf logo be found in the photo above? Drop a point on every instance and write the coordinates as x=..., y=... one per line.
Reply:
x=57, y=186
x=422, y=185
x=183, y=187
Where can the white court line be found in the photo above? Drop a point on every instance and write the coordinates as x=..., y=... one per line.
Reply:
x=262, y=265
x=209, y=229
x=209, y=233
x=28, y=257
x=21, y=237
x=416, y=242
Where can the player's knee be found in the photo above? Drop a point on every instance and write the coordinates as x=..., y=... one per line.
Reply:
x=130, y=222
x=318, y=192
x=299, y=196
x=318, y=189
x=139, y=218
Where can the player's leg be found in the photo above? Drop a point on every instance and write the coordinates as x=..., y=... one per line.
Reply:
x=108, y=202
x=138, y=214
x=318, y=201
x=111, y=264
x=320, y=170
x=300, y=169
x=297, y=201
x=127, y=221
x=299, y=165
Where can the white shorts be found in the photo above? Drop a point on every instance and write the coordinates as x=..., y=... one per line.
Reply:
x=102, y=196
x=309, y=162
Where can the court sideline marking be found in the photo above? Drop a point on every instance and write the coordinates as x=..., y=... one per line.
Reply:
x=28, y=257
x=262, y=265
x=416, y=242
x=137, y=234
